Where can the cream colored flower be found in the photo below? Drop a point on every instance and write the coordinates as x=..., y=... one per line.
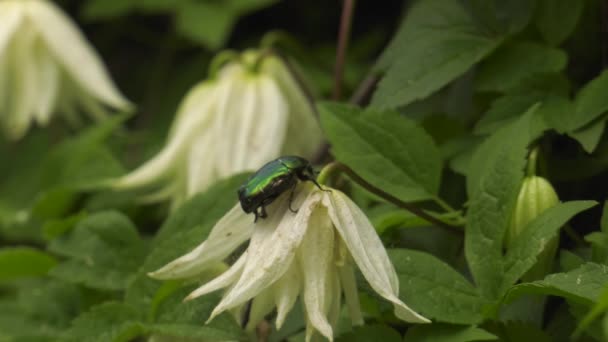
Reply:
x=310, y=254
x=251, y=112
x=47, y=66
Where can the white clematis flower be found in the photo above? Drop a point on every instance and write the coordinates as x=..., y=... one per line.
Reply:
x=251, y=112
x=47, y=66
x=310, y=254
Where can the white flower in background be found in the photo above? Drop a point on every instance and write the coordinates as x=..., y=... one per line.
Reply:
x=310, y=254
x=252, y=111
x=47, y=66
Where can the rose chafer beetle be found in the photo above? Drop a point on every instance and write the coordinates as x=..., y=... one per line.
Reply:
x=273, y=179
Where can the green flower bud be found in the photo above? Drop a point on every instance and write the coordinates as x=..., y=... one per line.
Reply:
x=535, y=196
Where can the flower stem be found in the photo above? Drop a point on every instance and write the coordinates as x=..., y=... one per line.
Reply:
x=219, y=60
x=343, y=38
x=332, y=169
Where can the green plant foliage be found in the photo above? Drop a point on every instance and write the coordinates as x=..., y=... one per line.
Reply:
x=432, y=113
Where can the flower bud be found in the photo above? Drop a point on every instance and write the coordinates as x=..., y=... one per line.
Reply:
x=252, y=110
x=535, y=196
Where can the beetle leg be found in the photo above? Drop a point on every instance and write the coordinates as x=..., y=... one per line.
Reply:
x=293, y=189
x=263, y=213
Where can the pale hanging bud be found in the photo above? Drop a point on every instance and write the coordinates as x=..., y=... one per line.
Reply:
x=310, y=255
x=535, y=196
x=47, y=67
x=252, y=110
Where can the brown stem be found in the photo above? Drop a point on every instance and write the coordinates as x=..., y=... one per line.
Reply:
x=361, y=95
x=394, y=200
x=343, y=38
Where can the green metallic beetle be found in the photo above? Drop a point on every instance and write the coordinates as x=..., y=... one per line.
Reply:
x=273, y=179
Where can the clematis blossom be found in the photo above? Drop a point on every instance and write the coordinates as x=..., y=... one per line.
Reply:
x=252, y=111
x=310, y=255
x=47, y=67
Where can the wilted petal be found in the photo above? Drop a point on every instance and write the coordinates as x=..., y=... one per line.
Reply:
x=272, y=248
x=286, y=291
x=315, y=257
x=228, y=233
x=74, y=52
x=368, y=252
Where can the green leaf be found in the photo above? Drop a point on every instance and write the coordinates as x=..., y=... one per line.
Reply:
x=589, y=136
x=210, y=22
x=558, y=112
x=530, y=243
x=505, y=110
x=388, y=150
x=509, y=65
x=186, y=228
x=582, y=285
x=40, y=311
x=434, y=289
x=557, y=19
x=104, y=251
x=111, y=321
x=19, y=262
x=372, y=332
x=504, y=17
x=104, y=9
x=518, y=331
x=591, y=101
x=439, y=332
x=494, y=181
x=55, y=228
x=598, y=309
x=437, y=42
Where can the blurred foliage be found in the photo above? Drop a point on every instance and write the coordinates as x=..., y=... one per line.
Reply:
x=466, y=88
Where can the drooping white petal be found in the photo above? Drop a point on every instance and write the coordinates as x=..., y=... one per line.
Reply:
x=351, y=297
x=195, y=116
x=272, y=248
x=11, y=18
x=73, y=51
x=368, y=252
x=200, y=174
x=286, y=291
x=262, y=305
x=303, y=130
x=266, y=135
x=315, y=257
x=22, y=82
x=236, y=105
x=228, y=233
x=47, y=84
x=225, y=279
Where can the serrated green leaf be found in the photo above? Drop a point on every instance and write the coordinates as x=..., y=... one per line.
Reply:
x=505, y=110
x=111, y=321
x=434, y=289
x=104, y=251
x=583, y=284
x=530, y=243
x=388, y=150
x=556, y=19
x=518, y=331
x=591, y=101
x=512, y=63
x=439, y=332
x=437, y=42
x=598, y=309
x=493, y=181
x=372, y=332
x=557, y=112
x=19, y=262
